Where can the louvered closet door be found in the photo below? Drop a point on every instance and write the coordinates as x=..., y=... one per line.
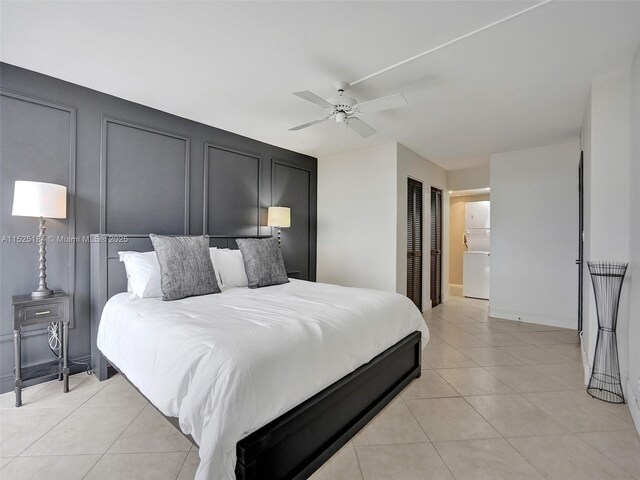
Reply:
x=414, y=241
x=436, y=247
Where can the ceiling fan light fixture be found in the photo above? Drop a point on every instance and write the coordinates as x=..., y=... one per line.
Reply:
x=345, y=108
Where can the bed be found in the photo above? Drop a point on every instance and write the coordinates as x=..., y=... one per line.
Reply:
x=270, y=382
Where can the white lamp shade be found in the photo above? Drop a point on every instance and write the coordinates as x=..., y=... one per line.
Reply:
x=279, y=217
x=37, y=199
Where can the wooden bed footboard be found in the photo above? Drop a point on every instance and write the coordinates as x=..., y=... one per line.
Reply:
x=297, y=443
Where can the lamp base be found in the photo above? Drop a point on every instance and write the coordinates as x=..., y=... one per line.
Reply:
x=42, y=293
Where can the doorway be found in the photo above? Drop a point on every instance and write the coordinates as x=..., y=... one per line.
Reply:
x=436, y=247
x=414, y=241
x=580, y=260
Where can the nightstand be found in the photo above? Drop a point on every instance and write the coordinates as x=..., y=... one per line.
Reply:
x=29, y=311
x=293, y=274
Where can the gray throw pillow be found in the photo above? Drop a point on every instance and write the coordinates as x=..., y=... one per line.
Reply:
x=185, y=266
x=263, y=261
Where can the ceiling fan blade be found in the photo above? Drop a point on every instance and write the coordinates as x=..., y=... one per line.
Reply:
x=383, y=103
x=360, y=127
x=308, y=124
x=313, y=98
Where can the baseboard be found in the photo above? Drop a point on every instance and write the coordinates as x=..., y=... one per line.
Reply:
x=7, y=380
x=526, y=317
x=455, y=290
x=427, y=305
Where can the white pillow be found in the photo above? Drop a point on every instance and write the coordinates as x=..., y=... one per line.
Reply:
x=229, y=267
x=216, y=269
x=143, y=274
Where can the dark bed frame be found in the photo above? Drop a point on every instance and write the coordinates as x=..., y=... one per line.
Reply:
x=298, y=442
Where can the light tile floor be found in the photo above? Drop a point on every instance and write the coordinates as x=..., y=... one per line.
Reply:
x=496, y=400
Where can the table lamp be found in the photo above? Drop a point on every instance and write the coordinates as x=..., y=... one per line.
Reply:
x=44, y=200
x=279, y=217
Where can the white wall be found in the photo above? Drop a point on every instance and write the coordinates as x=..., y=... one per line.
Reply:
x=534, y=225
x=412, y=165
x=362, y=218
x=469, y=178
x=357, y=218
x=606, y=143
x=633, y=361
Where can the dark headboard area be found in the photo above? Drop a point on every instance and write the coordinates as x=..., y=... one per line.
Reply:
x=107, y=271
x=108, y=276
x=130, y=168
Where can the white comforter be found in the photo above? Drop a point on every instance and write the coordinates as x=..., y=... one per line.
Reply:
x=228, y=364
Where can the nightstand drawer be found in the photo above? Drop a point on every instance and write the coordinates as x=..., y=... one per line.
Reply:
x=46, y=312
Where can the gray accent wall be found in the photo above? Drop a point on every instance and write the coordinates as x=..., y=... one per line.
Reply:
x=130, y=169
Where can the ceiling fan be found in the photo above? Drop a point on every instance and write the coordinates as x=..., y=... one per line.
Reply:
x=345, y=109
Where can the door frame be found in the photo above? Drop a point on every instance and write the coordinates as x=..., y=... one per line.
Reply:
x=580, y=260
x=438, y=296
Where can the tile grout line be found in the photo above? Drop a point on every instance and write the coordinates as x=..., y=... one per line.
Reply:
x=427, y=435
x=454, y=388
x=56, y=424
x=496, y=378
x=605, y=455
x=525, y=458
x=67, y=455
x=116, y=439
x=355, y=451
x=183, y=462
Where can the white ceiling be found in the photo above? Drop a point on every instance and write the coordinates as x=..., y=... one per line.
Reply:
x=233, y=65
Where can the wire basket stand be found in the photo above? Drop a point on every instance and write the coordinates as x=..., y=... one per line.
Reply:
x=607, y=278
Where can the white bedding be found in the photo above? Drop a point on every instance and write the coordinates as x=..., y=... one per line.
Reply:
x=227, y=364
